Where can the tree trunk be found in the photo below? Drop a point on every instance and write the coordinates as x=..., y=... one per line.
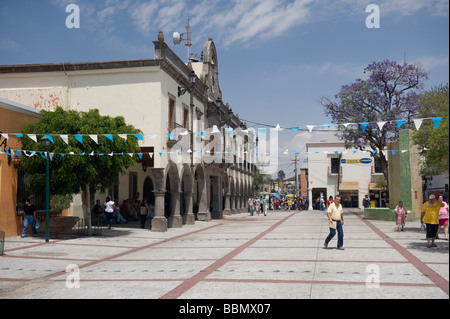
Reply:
x=88, y=209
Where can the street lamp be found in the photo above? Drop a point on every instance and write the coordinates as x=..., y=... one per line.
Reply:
x=46, y=143
x=192, y=78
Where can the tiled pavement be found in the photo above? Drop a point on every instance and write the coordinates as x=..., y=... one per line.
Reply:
x=278, y=256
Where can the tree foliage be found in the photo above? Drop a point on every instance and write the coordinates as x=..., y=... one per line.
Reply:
x=70, y=174
x=434, y=103
x=390, y=92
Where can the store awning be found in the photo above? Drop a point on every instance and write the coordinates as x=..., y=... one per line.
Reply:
x=374, y=187
x=349, y=186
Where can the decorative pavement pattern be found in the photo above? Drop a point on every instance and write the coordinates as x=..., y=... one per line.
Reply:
x=280, y=256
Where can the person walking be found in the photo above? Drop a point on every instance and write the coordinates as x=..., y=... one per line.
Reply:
x=400, y=213
x=250, y=205
x=336, y=218
x=110, y=206
x=29, y=218
x=443, y=217
x=257, y=206
x=430, y=217
x=265, y=204
x=143, y=212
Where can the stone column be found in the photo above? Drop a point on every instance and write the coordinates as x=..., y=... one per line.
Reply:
x=189, y=217
x=227, y=210
x=175, y=220
x=159, y=223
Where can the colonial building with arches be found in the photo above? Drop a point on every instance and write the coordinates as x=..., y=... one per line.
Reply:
x=198, y=157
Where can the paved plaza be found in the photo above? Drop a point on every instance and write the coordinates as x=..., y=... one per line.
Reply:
x=280, y=256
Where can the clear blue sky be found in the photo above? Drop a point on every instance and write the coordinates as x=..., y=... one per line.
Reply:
x=276, y=58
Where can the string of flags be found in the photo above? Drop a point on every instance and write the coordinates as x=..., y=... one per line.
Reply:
x=364, y=125
x=81, y=138
x=140, y=155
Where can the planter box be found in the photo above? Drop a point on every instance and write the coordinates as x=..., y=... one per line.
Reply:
x=386, y=214
x=62, y=224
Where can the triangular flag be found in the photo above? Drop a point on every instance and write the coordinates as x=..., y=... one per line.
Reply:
x=437, y=121
x=363, y=126
x=310, y=127
x=109, y=136
x=381, y=125
x=400, y=123
x=94, y=138
x=160, y=154
x=286, y=152
x=65, y=138
x=19, y=134
x=418, y=123
x=151, y=155
x=140, y=155
x=33, y=137
x=79, y=138
x=328, y=125
x=170, y=135
x=393, y=152
x=5, y=135
x=294, y=128
x=374, y=152
x=140, y=137
x=262, y=130
x=278, y=128
x=50, y=137
x=124, y=136
x=346, y=124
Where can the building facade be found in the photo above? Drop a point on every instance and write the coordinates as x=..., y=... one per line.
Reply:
x=12, y=117
x=333, y=169
x=188, y=170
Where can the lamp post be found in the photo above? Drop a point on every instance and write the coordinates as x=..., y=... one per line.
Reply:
x=46, y=143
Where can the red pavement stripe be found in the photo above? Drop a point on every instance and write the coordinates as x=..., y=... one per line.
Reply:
x=191, y=282
x=416, y=262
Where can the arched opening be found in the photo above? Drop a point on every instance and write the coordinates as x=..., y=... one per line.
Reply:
x=147, y=192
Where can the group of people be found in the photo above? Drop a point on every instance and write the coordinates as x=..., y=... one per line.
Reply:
x=434, y=215
x=258, y=205
x=110, y=211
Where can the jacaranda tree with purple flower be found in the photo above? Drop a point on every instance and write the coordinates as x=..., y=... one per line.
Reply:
x=390, y=93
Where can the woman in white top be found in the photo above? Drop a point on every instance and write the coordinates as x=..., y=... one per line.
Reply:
x=109, y=211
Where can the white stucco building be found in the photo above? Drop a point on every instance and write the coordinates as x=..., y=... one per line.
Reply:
x=333, y=169
x=146, y=93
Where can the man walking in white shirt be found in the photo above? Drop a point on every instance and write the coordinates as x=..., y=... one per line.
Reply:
x=336, y=219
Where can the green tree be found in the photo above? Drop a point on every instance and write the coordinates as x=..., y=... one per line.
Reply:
x=70, y=174
x=260, y=180
x=434, y=103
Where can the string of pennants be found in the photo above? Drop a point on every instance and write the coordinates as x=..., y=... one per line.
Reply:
x=364, y=125
x=94, y=137
x=28, y=153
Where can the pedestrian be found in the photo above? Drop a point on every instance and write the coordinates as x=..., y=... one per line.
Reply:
x=366, y=201
x=289, y=203
x=118, y=215
x=329, y=201
x=250, y=205
x=430, y=217
x=400, y=213
x=443, y=217
x=98, y=212
x=257, y=206
x=143, y=212
x=110, y=206
x=29, y=218
x=265, y=204
x=336, y=218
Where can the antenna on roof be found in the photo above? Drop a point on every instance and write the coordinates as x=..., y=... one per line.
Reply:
x=178, y=37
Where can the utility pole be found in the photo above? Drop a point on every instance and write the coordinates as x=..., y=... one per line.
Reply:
x=296, y=176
